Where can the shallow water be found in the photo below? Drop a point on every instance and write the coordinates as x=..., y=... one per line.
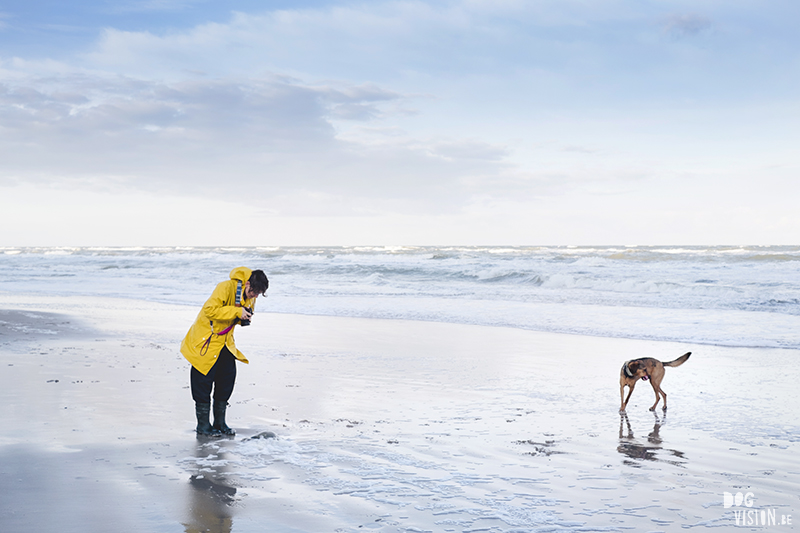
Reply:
x=385, y=425
x=444, y=435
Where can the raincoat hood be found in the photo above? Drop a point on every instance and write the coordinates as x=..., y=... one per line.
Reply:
x=241, y=274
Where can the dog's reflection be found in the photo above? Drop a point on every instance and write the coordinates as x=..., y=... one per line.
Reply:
x=635, y=450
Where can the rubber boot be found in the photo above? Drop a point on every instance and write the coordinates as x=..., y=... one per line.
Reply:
x=202, y=410
x=219, y=418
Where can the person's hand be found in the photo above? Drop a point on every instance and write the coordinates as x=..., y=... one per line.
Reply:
x=246, y=314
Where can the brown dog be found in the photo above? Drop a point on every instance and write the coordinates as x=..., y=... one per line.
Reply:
x=645, y=368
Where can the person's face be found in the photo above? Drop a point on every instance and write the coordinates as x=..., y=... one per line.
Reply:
x=250, y=293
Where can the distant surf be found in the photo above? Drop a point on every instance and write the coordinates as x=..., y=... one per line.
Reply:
x=724, y=295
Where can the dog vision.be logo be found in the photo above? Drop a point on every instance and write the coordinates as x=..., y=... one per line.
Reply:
x=753, y=517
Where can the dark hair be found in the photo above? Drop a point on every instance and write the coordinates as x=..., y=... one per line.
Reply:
x=259, y=282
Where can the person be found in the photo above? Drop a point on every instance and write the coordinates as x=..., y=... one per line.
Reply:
x=210, y=348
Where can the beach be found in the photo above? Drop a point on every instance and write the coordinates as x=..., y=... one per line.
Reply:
x=381, y=425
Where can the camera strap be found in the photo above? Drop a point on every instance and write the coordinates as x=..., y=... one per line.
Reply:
x=238, y=303
x=204, y=348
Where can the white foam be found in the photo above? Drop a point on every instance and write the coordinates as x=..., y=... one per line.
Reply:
x=690, y=294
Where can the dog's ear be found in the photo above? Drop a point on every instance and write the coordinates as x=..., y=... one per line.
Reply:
x=634, y=366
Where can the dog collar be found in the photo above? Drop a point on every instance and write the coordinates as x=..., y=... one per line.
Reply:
x=626, y=369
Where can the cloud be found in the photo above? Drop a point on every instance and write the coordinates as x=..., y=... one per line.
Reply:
x=467, y=150
x=554, y=53
x=308, y=110
x=270, y=136
x=145, y=6
x=689, y=25
x=578, y=149
x=382, y=38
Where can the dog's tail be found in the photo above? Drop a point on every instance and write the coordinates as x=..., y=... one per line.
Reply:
x=679, y=361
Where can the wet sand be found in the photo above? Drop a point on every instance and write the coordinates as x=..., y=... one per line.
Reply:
x=382, y=426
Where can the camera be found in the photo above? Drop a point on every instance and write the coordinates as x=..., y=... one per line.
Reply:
x=243, y=321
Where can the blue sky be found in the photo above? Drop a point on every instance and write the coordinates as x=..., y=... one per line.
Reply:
x=167, y=122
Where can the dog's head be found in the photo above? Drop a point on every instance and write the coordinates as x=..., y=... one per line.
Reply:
x=636, y=370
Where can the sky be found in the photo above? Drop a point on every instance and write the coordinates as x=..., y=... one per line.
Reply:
x=473, y=122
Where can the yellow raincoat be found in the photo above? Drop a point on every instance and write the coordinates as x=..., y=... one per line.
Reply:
x=217, y=314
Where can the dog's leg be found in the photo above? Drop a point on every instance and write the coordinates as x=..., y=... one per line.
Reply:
x=656, y=389
x=622, y=393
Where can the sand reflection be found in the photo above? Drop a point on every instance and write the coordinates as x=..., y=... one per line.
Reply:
x=211, y=494
x=636, y=450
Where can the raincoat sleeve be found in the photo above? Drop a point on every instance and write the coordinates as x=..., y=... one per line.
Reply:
x=219, y=307
x=219, y=313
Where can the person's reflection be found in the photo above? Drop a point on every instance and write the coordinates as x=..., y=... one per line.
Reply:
x=637, y=451
x=211, y=495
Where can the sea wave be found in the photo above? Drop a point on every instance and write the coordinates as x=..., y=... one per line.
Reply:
x=685, y=293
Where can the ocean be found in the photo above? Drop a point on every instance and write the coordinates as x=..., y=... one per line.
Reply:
x=719, y=295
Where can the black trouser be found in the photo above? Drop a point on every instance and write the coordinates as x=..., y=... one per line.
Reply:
x=222, y=376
